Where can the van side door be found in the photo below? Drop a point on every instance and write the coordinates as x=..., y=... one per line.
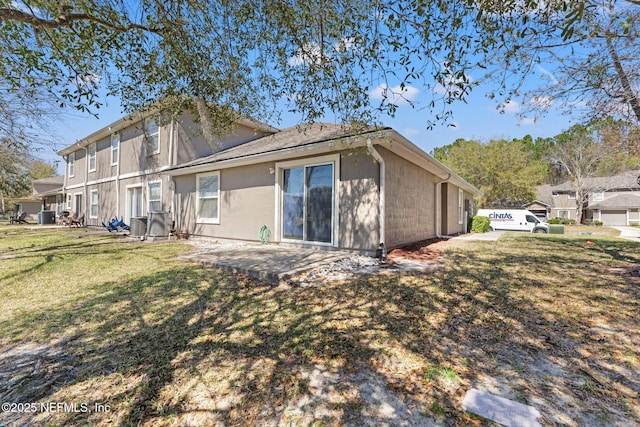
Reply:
x=532, y=221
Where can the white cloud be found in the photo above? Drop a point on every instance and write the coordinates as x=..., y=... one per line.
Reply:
x=411, y=132
x=510, y=107
x=548, y=74
x=528, y=121
x=310, y=54
x=396, y=95
x=541, y=101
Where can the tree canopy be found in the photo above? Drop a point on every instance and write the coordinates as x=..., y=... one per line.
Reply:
x=506, y=172
x=256, y=58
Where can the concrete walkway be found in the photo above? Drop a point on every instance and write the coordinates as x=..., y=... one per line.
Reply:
x=629, y=233
x=272, y=263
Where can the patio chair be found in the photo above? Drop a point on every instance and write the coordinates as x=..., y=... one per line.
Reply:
x=68, y=220
x=20, y=218
x=77, y=222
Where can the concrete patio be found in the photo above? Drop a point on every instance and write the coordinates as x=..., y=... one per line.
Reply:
x=272, y=263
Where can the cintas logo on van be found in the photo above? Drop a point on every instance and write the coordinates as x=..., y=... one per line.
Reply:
x=495, y=216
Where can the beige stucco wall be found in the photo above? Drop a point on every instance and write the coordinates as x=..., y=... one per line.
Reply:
x=359, y=227
x=248, y=201
x=192, y=145
x=409, y=201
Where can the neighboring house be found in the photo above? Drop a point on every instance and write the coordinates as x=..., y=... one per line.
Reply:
x=613, y=200
x=51, y=193
x=323, y=184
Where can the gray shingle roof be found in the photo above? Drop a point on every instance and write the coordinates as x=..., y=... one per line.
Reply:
x=625, y=180
x=296, y=136
x=624, y=201
x=544, y=194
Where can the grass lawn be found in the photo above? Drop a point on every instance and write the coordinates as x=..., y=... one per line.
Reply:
x=132, y=336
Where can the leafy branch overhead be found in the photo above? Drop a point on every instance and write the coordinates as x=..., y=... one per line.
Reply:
x=354, y=61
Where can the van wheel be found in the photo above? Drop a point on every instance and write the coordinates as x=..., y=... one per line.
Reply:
x=539, y=230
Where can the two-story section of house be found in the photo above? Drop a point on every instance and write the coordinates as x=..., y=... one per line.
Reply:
x=322, y=184
x=612, y=200
x=121, y=169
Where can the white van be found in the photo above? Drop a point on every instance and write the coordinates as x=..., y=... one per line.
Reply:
x=514, y=219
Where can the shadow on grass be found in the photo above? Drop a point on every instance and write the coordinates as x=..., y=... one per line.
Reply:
x=219, y=348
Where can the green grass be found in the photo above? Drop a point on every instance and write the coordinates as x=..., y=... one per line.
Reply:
x=164, y=342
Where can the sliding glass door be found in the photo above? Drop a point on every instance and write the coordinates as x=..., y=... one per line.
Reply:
x=307, y=203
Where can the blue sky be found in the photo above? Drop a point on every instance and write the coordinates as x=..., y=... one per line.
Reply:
x=479, y=118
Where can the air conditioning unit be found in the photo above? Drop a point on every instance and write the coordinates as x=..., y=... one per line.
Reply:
x=159, y=224
x=138, y=226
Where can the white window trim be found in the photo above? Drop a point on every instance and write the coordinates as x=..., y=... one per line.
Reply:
x=127, y=202
x=69, y=202
x=597, y=196
x=71, y=163
x=149, y=193
x=91, y=204
x=117, y=150
x=312, y=161
x=94, y=157
x=148, y=134
x=200, y=220
x=82, y=197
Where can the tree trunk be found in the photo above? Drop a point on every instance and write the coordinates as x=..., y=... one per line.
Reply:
x=628, y=94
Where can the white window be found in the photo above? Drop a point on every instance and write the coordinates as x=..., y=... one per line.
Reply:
x=571, y=196
x=563, y=214
x=72, y=165
x=152, y=137
x=208, y=199
x=598, y=196
x=155, y=196
x=460, y=206
x=69, y=199
x=115, y=148
x=92, y=157
x=93, y=208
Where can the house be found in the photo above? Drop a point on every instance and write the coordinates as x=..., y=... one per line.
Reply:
x=50, y=192
x=613, y=200
x=326, y=185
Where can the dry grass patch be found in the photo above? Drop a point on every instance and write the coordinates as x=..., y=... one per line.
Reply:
x=543, y=320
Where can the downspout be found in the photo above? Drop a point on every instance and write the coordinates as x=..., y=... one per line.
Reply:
x=118, y=175
x=381, y=217
x=65, y=183
x=172, y=182
x=86, y=177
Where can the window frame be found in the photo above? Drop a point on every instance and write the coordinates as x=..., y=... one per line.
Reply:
x=597, y=196
x=150, y=200
x=334, y=160
x=71, y=163
x=206, y=220
x=115, y=152
x=93, y=205
x=92, y=157
x=148, y=135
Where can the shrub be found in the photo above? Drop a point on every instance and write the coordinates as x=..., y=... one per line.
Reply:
x=480, y=224
x=598, y=223
x=554, y=221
